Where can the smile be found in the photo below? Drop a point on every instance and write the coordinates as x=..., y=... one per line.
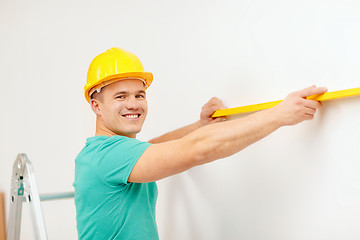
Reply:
x=131, y=116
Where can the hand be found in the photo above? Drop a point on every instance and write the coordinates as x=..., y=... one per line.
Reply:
x=296, y=108
x=208, y=110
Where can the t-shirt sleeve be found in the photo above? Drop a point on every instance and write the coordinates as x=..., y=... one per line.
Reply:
x=117, y=157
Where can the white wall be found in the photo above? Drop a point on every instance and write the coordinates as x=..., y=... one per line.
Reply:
x=301, y=182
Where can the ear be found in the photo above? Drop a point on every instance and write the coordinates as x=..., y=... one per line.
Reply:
x=95, y=106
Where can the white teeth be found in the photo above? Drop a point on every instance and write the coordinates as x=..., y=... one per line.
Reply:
x=132, y=116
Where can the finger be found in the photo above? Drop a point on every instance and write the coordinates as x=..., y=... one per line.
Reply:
x=215, y=108
x=310, y=111
x=313, y=90
x=312, y=103
x=216, y=104
x=213, y=100
x=210, y=103
x=309, y=116
x=218, y=119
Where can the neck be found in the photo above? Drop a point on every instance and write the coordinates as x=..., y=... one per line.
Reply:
x=103, y=131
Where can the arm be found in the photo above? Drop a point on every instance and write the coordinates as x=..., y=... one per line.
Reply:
x=223, y=139
x=205, y=118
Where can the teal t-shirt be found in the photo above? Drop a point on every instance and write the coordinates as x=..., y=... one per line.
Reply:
x=107, y=206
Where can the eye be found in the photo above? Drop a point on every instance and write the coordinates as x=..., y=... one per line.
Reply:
x=120, y=97
x=140, y=96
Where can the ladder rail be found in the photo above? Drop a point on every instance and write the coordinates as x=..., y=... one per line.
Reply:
x=32, y=197
x=17, y=193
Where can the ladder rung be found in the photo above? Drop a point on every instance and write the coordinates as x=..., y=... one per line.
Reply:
x=46, y=197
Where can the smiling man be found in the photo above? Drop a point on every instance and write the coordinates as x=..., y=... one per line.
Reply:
x=121, y=109
x=115, y=174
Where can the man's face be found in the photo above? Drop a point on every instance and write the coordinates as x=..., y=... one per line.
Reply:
x=123, y=107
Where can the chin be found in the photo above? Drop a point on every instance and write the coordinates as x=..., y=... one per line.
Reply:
x=132, y=133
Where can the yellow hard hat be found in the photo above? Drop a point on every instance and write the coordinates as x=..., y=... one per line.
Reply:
x=113, y=65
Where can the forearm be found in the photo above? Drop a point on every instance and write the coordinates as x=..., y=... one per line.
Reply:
x=176, y=134
x=227, y=138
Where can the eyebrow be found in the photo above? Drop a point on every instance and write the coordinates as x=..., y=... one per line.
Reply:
x=126, y=92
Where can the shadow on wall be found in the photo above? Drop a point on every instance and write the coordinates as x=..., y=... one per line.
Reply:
x=188, y=205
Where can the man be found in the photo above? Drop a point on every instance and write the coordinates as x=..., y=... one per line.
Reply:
x=115, y=189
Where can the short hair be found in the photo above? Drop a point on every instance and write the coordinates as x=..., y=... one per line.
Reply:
x=97, y=95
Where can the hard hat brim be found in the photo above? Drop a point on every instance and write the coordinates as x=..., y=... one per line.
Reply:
x=147, y=78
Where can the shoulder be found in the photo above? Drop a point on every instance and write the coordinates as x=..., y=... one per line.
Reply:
x=101, y=144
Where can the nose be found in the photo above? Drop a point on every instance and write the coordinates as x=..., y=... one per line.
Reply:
x=132, y=103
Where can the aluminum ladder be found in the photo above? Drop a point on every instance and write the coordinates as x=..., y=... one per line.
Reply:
x=24, y=188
